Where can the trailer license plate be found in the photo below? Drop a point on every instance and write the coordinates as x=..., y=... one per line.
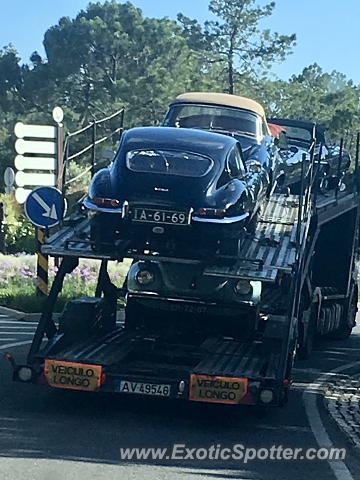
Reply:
x=205, y=388
x=148, y=215
x=141, y=388
x=73, y=376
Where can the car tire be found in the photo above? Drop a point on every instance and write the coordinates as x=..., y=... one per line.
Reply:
x=230, y=246
x=102, y=230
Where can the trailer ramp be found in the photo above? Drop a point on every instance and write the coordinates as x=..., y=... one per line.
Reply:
x=272, y=248
x=261, y=255
x=140, y=358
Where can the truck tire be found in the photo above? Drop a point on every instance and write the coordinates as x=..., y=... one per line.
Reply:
x=348, y=319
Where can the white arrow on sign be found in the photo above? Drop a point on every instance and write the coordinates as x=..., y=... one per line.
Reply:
x=34, y=163
x=26, y=146
x=49, y=212
x=23, y=179
x=34, y=131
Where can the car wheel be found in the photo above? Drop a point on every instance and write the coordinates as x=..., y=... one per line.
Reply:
x=102, y=230
x=230, y=246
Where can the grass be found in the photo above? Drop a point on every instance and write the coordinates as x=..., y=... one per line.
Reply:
x=17, y=281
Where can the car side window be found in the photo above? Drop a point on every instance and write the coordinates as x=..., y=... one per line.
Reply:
x=240, y=160
x=235, y=163
x=223, y=180
x=265, y=129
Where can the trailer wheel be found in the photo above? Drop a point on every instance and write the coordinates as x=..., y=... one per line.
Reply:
x=348, y=318
x=307, y=337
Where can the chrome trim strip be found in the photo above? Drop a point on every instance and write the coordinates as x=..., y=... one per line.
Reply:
x=191, y=211
x=125, y=209
x=91, y=206
x=224, y=221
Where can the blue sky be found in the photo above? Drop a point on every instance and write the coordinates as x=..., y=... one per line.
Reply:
x=327, y=30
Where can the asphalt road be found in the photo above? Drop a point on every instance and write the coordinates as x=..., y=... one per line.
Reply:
x=61, y=435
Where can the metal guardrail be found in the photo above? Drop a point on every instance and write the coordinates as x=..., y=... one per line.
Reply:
x=307, y=203
x=80, y=139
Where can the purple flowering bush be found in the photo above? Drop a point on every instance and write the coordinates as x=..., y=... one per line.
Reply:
x=18, y=280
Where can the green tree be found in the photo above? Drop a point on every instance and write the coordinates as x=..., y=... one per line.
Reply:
x=314, y=95
x=236, y=39
x=110, y=56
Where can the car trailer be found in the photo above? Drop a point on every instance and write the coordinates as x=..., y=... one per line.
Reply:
x=303, y=254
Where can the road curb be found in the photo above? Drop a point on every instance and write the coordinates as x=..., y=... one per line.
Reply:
x=15, y=314
x=35, y=317
x=342, y=401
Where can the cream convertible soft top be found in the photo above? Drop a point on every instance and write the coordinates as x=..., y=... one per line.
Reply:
x=221, y=99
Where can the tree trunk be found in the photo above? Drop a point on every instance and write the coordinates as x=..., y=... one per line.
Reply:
x=231, y=61
x=231, y=75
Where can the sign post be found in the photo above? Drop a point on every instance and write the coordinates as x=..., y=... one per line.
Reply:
x=2, y=233
x=44, y=207
x=40, y=151
x=42, y=264
x=39, y=163
x=58, y=116
x=9, y=179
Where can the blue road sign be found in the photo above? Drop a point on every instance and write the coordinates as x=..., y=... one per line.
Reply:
x=45, y=207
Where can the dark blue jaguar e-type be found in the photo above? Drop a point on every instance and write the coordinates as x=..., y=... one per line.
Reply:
x=171, y=188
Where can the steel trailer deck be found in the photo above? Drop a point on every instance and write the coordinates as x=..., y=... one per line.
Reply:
x=210, y=368
x=272, y=248
x=128, y=356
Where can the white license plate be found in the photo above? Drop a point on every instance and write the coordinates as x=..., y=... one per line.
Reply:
x=148, y=215
x=141, y=388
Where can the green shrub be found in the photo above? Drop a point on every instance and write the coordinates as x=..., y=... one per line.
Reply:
x=18, y=278
x=19, y=232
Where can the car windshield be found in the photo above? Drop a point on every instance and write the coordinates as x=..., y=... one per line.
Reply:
x=169, y=162
x=296, y=136
x=220, y=119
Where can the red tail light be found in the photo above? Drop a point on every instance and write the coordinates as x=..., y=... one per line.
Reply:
x=106, y=202
x=211, y=212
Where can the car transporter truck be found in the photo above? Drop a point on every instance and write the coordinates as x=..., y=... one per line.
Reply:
x=294, y=279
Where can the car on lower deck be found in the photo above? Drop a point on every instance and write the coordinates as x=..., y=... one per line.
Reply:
x=174, y=298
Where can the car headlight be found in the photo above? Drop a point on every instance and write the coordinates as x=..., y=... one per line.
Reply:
x=145, y=277
x=266, y=396
x=243, y=287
